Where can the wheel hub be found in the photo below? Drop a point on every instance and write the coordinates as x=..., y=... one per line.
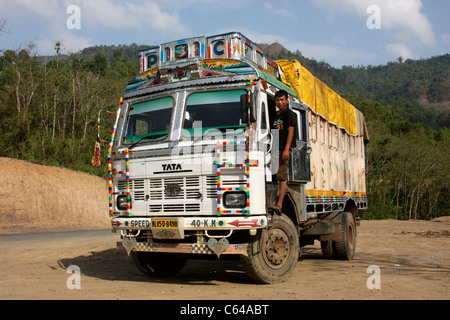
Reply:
x=276, y=248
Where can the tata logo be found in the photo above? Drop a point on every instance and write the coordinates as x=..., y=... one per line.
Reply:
x=172, y=190
x=172, y=167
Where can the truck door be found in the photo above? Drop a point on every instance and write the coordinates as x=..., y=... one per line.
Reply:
x=299, y=164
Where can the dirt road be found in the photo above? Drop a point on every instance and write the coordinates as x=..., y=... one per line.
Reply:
x=413, y=258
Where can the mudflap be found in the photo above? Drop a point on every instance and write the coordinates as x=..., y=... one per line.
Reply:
x=129, y=244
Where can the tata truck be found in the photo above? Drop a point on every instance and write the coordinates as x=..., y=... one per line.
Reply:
x=191, y=161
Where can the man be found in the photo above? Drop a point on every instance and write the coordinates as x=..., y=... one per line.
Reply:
x=284, y=122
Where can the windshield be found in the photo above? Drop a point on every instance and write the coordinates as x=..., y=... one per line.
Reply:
x=149, y=120
x=213, y=110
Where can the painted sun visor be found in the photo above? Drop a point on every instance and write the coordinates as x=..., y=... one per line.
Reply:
x=235, y=46
x=149, y=59
x=229, y=54
x=186, y=49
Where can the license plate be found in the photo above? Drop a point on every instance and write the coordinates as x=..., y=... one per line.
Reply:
x=165, y=224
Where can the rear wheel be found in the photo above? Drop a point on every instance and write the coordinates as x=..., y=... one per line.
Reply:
x=273, y=254
x=158, y=265
x=345, y=247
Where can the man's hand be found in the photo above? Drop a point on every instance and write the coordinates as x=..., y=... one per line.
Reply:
x=285, y=156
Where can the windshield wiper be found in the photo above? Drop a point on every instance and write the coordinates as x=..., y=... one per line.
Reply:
x=221, y=129
x=236, y=127
x=150, y=136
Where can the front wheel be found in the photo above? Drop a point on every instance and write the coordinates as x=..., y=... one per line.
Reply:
x=273, y=254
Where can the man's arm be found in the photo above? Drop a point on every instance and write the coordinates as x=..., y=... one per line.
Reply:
x=287, y=147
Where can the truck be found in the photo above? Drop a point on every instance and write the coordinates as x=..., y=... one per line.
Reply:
x=191, y=161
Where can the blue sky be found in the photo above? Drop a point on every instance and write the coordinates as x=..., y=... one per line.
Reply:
x=334, y=31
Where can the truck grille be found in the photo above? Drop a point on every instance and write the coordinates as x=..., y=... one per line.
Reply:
x=211, y=187
x=185, y=200
x=189, y=188
x=174, y=208
x=137, y=188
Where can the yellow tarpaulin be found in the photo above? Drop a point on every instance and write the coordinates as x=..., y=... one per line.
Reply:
x=332, y=106
x=322, y=99
x=309, y=85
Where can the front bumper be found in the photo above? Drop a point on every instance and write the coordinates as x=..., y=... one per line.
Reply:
x=190, y=223
x=181, y=248
x=172, y=228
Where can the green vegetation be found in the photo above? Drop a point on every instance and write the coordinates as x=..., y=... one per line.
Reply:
x=408, y=165
x=48, y=110
x=49, y=107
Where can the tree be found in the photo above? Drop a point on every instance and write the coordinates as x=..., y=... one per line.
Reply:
x=100, y=63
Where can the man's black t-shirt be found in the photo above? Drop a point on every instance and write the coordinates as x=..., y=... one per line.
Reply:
x=282, y=122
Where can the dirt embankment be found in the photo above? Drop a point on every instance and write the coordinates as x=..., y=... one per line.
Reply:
x=42, y=198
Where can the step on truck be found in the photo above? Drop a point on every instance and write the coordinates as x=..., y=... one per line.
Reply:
x=191, y=161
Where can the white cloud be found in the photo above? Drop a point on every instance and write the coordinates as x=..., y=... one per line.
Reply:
x=50, y=17
x=339, y=40
x=138, y=16
x=401, y=50
x=403, y=16
x=42, y=8
x=282, y=12
x=112, y=14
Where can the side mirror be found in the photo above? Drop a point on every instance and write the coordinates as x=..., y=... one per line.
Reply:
x=245, y=105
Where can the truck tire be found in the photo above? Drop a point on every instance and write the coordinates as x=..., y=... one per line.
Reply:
x=157, y=265
x=345, y=247
x=273, y=253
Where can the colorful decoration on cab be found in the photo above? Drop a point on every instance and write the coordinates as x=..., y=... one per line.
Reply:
x=201, y=57
x=96, y=158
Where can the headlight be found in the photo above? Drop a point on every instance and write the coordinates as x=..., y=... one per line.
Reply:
x=235, y=199
x=122, y=202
